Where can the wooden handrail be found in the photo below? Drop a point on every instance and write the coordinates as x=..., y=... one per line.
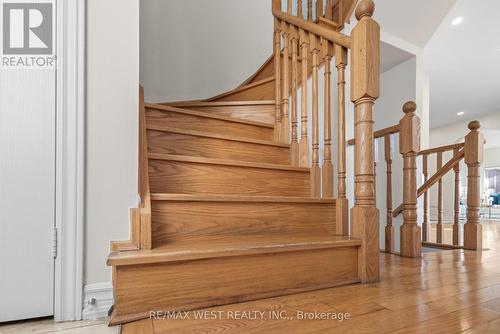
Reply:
x=313, y=28
x=434, y=178
x=444, y=148
x=379, y=133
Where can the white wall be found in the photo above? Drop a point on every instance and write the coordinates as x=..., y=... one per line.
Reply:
x=194, y=49
x=112, y=99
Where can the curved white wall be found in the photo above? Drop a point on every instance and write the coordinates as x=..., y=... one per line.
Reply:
x=193, y=49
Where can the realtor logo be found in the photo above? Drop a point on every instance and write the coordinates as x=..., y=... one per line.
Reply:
x=28, y=34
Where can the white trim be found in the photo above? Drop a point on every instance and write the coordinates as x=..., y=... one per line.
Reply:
x=102, y=293
x=70, y=163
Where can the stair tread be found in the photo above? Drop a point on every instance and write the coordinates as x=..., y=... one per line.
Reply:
x=227, y=248
x=219, y=103
x=238, y=198
x=216, y=136
x=225, y=162
x=161, y=107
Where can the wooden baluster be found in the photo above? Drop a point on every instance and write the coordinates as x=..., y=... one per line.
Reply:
x=409, y=146
x=294, y=147
x=277, y=80
x=341, y=12
x=285, y=93
x=289, y=7
x=309, y=10
x=456, y=216
x=375, y=159
x=342, y=207
x=365, y=81
x=388, y=163
x=319, y=8
x=329, y=10
x=439, y=225
x=327, y=169
x=315, y=169
x=299, y=9
x=425, y=224
x=474, y=146
x=304, y=141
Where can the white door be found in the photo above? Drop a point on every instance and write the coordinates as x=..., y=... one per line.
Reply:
x=27, y=192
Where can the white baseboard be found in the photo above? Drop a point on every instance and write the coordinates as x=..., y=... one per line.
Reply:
x=102, y=296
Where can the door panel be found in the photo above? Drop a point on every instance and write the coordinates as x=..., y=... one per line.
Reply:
x=27, y=192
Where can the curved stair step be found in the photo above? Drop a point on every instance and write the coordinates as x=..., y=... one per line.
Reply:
x=210, y=145
x=257, y=110
x=162, y=115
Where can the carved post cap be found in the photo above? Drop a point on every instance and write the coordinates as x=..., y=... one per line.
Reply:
x=474, y=125
x=409, y=129
x=409, y=107
x=474, y=144
x=365, y=8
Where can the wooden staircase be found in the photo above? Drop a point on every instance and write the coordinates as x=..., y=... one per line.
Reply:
x=232, y=220
x=227, y=213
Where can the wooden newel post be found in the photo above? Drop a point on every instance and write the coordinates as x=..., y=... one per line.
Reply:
x=474, y=145
x=365, y=77
x=409, y=146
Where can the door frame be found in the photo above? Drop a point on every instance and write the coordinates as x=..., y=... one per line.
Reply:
x=70, y=159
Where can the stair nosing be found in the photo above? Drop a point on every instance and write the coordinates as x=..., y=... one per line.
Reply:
x=239, y=198
x=162, y=255
x=161, y=107
x=162, y=128
x=225, y=162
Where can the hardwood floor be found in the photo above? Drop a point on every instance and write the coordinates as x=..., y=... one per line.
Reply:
x=450, y=291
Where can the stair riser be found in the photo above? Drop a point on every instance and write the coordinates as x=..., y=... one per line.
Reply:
x=198, y=178
x=178, y=286
x=257, y=113
x=210, y=125
x=197, y=146
x=201, y=221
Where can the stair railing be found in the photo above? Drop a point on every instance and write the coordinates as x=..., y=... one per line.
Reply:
x=472, y=153
x=313, y=43
x=412, y=237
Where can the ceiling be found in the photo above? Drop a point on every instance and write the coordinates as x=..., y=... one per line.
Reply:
x=463, y=62
x=411, y=20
